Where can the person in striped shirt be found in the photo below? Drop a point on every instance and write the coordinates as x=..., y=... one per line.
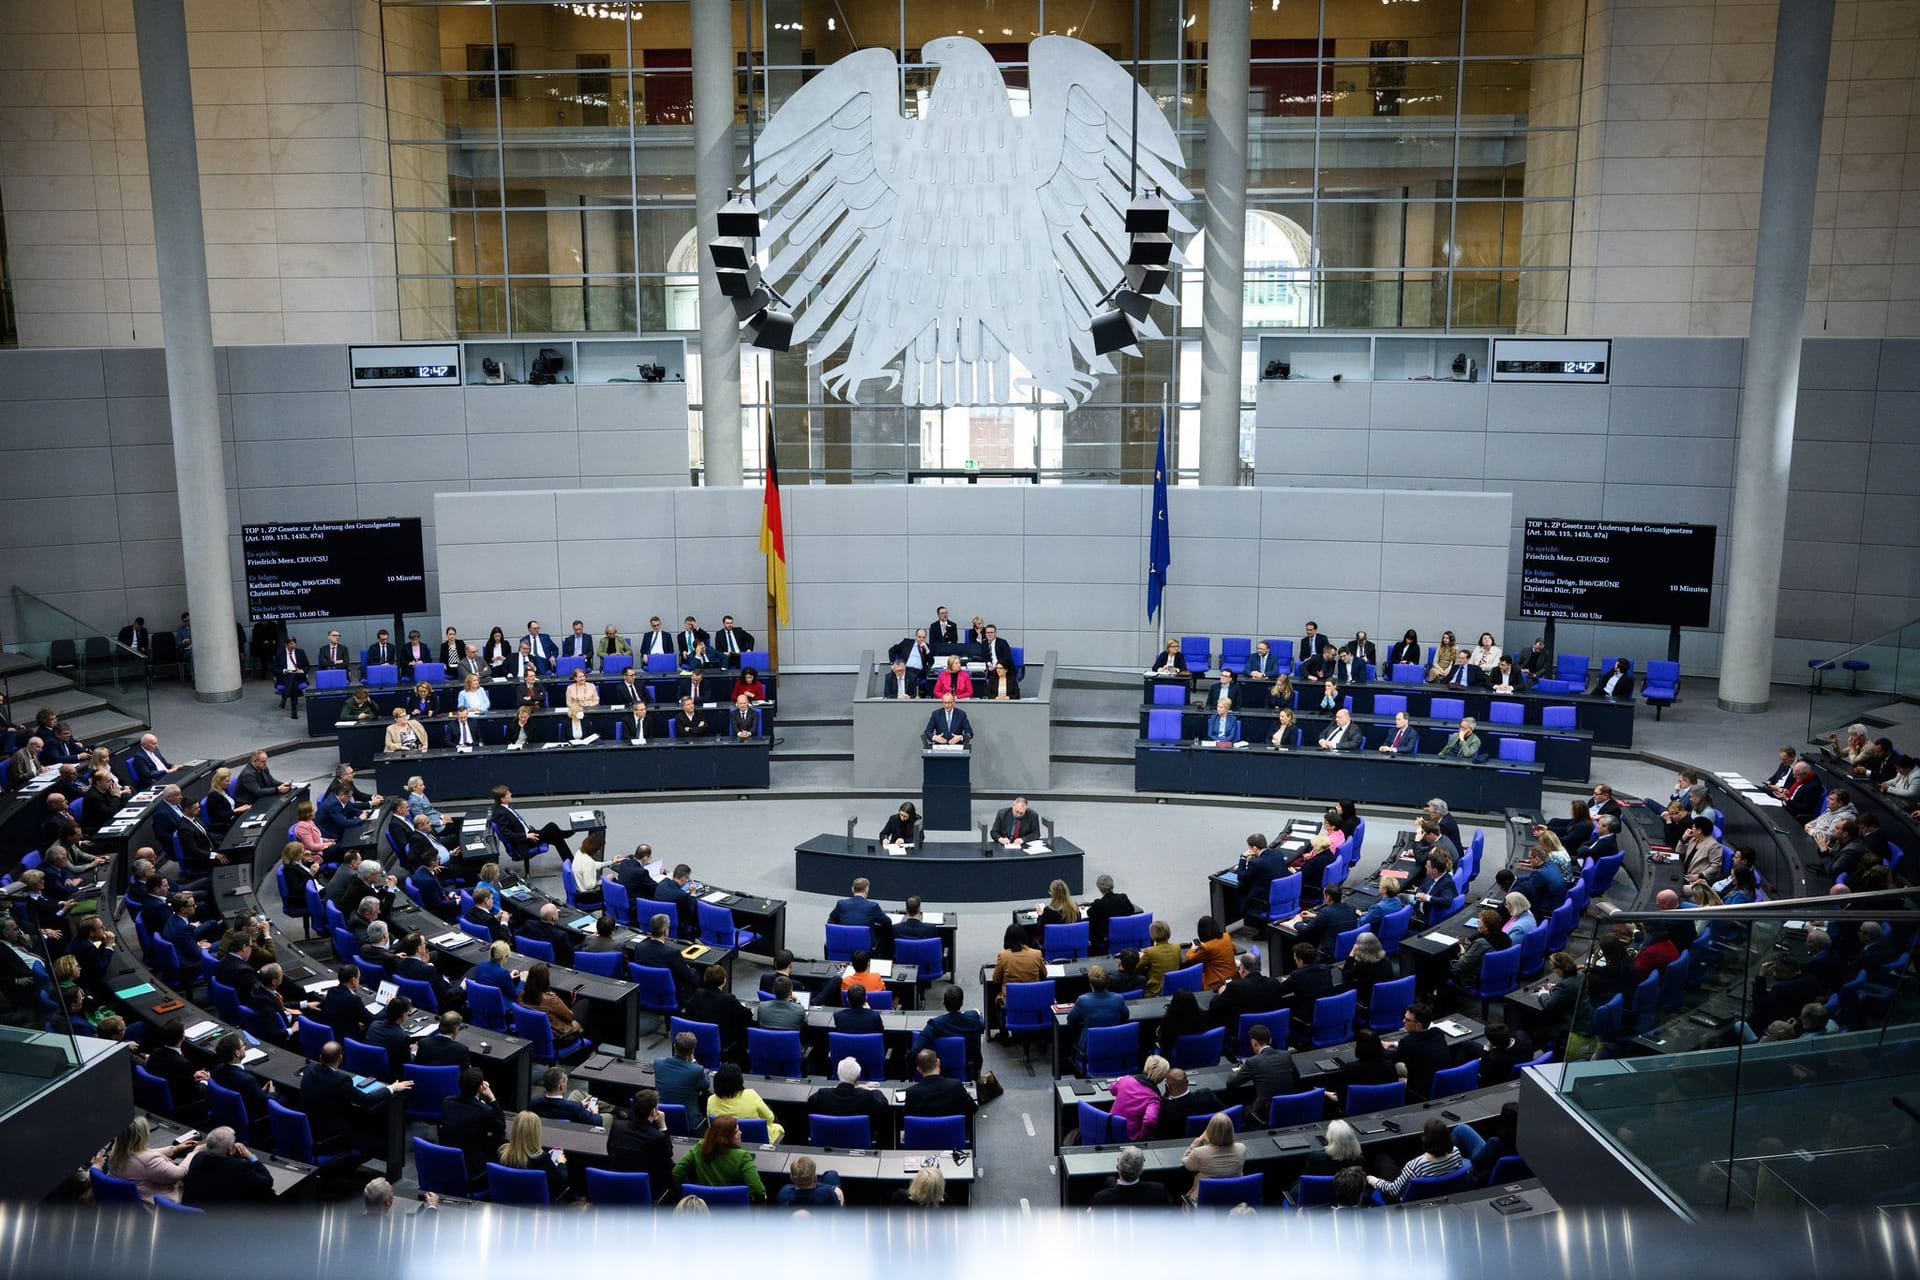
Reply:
x=1438, y=1157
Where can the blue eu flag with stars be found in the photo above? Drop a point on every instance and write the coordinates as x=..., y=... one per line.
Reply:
x=1160, y=550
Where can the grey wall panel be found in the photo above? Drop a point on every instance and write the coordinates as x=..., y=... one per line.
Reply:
x=1217, y=561
x=875, y=607
x=1285, y=611
x=1075, y=606
x=1313, y=565
x=1209, y=513
x=100, y=569
x=132, y=419
x=505, y=566
x=1108, y=512
x=719, y=560
x=477, y=612
x=718, y=513
x=1840, y=363
x=296, y=417
x=811, y=510
x=135, y=371
x=513, y=410
x=940, y=556
x=1535, y=407
x=1205, y=610
x=1829, y=466
x=510, y=517
x=292, y=368
x=630, y=407
x=297, y=502
x=61, y=424
x=632, y=516
x=143, y=468
x=74, y=472
x=1416, y=567
x=400, y=498
x=1331, y=515
x=1894, y=469
x=530, y=457
x=1655, y=459
x=1896, y=417
x=1899, y=364
x=1667, y=411
x=1667, y=502
x=1074, y=559
x=408, y=416
x=1833, y=415
x=842, y=557
x=155, y=563
x=1564, y=459
x=144, y=516
x=1430, y=406
x=640, y=453
x=1875, y=616
x=1323, y=404
x=1887, y=575
x=944, y=509
x=1812, y=566
x=29, y=374
x=1665, y=362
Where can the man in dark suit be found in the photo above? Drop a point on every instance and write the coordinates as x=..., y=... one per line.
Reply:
x=100, y=803
x=944, y=632
x=145, y=762
x=472, y=1121
x=934, y=1094
x=689, y=721
x=900, y=683
x=1443, y=818
x=1310, y=644
x=1464, y=674
x=328, y=1097
x=470, y=664
x=389, y=1032
x=341, y=1007
x=578, y=644
x=1537, y=660
x=634, y=874
x=1603, y=800
x=435, y=896
x=541, y=645
x=443, y=1047
x=460, y=731
x=1126, y=1190
x=517, y=833
x=225, y=1172
x=1263, y=663
x=1404, y=740
x=257, y=783
x=484, y=914
x=712, y=1003
x=382, y=652
x=948, y=724
x=289, y=669
x=548, y=929
x=994, y=649
x=1015, y=826
x=1182, y=1102
x=1343, y=734
x=552, y=1102
x=1251, y=991
x=1316, y=665
x=1422, y=1049
x=1103, y=909
x=854, y=1018
x=1348, y=669
x=229, y=1074
x=673, y=896
x=137, y=638
x=654, y=641
x=1334, y=918
x=638, y=1142
x=1309, y=980
x=655, y=952
x=731, y=641
x=333, y=654
x=1617, y=683
x=849, y=1097
x=1266, y=1074
x=858, y=909
x=1606, y=839
x=62, y=747
x=691, y=634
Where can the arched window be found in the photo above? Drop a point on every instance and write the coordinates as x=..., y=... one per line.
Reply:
x=1279, y=275
x=683, y=283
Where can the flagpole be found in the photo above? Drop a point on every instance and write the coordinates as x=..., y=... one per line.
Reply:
x=766, y=464
x=1164, y=400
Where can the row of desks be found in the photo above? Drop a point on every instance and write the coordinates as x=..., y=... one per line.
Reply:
x=323, y=705
x=1609, y=720
x=1564, y=754
x=1366, y=776
x=362, y=740
x=1281, y=1154
x=698, y=764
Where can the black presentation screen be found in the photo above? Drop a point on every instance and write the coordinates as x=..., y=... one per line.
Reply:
x=1610, y=571
x=334, y=569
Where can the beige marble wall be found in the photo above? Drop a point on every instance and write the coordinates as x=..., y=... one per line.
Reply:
x=1672, y=144
x=293, y=166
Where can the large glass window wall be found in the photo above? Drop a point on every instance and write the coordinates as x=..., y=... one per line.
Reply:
x=1410, y=167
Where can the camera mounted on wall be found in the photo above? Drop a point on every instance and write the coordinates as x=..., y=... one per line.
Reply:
x=546, y=368
x=491, y=368
x=1280, y=369
x=652, y=372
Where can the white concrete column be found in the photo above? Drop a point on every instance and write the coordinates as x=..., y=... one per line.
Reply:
x=1224, y=285
x=713, y=176
x=1801, y=46
x=193, y=401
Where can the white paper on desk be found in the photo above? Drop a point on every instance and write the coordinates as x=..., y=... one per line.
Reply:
x=513, y=746
x=579, y=816
x=548, y=746
x=1038, y=846
x=934, y=917
x=896, y=851
x=1769, y=801
x=1452, y=1028
x=581, y=742
x=1734, y=778
x=457, y=938
x=203, y=1028
x=1437, y=936
x=252, y=1056
x=1056, y=971
x=718, y=895
x=317, y=988
x=884, y=968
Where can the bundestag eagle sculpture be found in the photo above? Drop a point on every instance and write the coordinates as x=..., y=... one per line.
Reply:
x=965, y=237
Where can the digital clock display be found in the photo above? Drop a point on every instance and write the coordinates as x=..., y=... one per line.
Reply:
x=425, y=365
x=1588, y=368
x=403, y=373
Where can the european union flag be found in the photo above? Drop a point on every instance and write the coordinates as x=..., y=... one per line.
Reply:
x=1160, y=549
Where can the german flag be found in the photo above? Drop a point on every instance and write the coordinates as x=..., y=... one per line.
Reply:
x=773, y=537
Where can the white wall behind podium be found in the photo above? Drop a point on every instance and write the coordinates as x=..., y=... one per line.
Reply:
x=1054, y=567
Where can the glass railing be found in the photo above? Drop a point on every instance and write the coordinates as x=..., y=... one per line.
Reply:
x=93, y=660
x=1754, y=1057
x=1882, y=669
x=41, y=1004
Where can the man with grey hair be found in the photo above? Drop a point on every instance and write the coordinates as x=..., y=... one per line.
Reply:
x=848, y=1097
x=23, y=766
x=1103, y=909
x=376, y=950
x=548, y=929
x=370, y=881
x=1436, y=809
x=655, y=952
x=1126, y=1191
x=343, y=775
x=225, y=1172
x=145, y=762
x=1465, y=744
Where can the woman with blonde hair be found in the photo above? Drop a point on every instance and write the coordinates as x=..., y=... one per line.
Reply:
x=1059, y=908
x=1285, y=732
x=928, y=1190
x=1137, y=1097
x=1216, y=1153
x=582, y=692
x=523, y=1150
x=217, y=809
x=473, y=697
x=157, y=1171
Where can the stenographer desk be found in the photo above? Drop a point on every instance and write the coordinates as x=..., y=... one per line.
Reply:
x=1366, y=776
x=697, y=764
x=938, y=870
